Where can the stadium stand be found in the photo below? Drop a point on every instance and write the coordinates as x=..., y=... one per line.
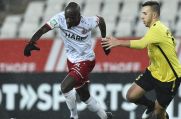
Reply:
x=172, y=12
x=124, y=29
x=31, y=19
x=35, y=10
x=52, y=8
x=178, y=28
x=131, y=13
x=10, y=26
x=139, y=29
x=121, y=16
x=27, y=30
x=90, y=10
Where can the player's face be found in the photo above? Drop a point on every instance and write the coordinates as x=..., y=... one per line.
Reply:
x=72, y=19
x=147, y=15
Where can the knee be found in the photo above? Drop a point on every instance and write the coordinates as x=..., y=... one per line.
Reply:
x=130, y=97
x=64, y=88
x=134, y=93
x=84, y=97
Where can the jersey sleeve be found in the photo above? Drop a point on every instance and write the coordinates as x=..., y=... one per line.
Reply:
x=54, y=22
x=152, y=37
x=93, y=22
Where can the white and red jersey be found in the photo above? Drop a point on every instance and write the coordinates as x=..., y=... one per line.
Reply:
x=77, y=40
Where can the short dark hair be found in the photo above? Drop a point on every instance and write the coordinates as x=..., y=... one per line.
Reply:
x=74, y=6
x=154, y=4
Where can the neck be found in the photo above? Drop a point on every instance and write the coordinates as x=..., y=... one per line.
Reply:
x=78, y=22
x=153, y=21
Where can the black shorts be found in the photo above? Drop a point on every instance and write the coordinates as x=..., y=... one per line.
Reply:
x=164, y=90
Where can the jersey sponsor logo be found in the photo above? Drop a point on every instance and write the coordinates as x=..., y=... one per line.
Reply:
x=84, y=30
x=74, y=36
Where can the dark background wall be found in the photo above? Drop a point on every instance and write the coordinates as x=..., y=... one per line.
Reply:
x=38, y=96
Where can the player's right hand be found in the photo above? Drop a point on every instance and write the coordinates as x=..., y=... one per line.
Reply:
x=29, y=47
x=106, y=51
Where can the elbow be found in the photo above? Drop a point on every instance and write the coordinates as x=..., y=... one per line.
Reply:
x=139, y=47
x=101, y=20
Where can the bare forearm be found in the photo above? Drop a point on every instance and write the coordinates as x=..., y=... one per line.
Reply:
x=114, y=42
x=102, y=27
x=45, y=28
x=123, y=43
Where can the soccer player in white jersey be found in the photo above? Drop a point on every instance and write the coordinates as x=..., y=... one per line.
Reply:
x=75, y=31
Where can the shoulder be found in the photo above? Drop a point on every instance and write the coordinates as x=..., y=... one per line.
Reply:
x=159, y=26
x=89, y=18
x=156, y=27
x=60, y=15
x=60, y=18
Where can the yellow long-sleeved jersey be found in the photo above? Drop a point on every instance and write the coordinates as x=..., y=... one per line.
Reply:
x=159, y=34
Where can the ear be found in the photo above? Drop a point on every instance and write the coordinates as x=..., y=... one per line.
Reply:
x=155, y=15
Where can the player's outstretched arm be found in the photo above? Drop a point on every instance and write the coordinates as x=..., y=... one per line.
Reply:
x=102, y=27
x=45, y=28
x=32, y=43
x=110, y=42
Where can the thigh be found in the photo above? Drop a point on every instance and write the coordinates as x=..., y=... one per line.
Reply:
x=80, y=71
x=164, y=92
x=145, y=81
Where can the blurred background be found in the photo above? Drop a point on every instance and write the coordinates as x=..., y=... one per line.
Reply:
x=30, y=86
x=21, y=18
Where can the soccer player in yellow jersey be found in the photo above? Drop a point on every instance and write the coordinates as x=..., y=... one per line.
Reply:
x=159, y=75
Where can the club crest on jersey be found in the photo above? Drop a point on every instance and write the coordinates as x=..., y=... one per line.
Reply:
x=84, y=31
x=74, y=36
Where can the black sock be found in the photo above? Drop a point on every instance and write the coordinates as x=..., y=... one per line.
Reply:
x=146, y=102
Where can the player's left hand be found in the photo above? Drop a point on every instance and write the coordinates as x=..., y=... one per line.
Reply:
x=109, y=42
x=106, y=51
x=29, y=47
x=106, y=43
